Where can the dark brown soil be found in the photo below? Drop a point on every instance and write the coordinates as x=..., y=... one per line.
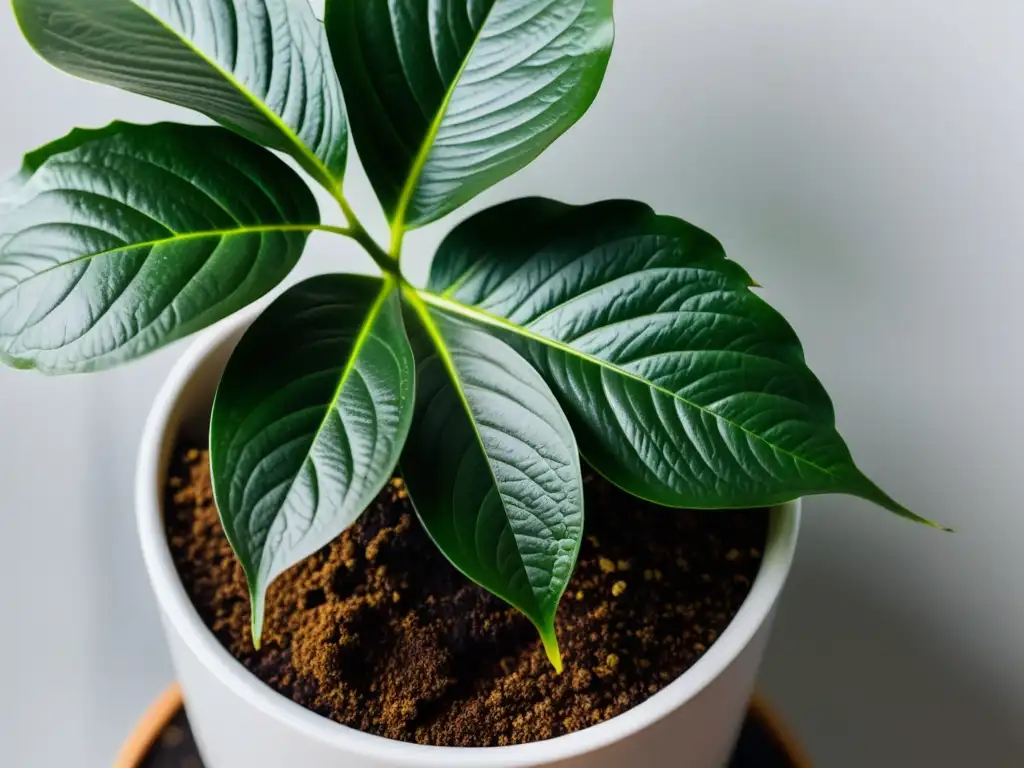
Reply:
x=379, y=632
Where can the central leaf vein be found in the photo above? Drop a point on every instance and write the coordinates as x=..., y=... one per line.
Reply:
x=420, y=161
x=475, y=314
x=365, y=333
x=256, y=101
x=448, y=361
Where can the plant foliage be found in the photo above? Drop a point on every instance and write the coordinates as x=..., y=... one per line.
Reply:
x=546, y=328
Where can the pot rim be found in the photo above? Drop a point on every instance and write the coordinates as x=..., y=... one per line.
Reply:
x=159, y=434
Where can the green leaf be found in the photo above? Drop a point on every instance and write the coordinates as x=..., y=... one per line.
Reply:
x=449, y=97
x=309, y=421
x=492, y=468
x=117, y=241
x=684, y=386
x=260, y=67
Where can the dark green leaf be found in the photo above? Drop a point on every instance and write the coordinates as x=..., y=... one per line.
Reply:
x=260, y=67
x=492, y=468
x=309, y=421
x=117, y=241
x=449, y=97
x=683, y=385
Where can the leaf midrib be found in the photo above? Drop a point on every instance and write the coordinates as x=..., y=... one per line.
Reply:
x=417, y=300
x=420, y=161
x=334, y=184
x=365, y=331
x=478, y=315
x=177, y=238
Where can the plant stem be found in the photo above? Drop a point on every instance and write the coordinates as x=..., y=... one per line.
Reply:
x=397, y=238
x=358, y=232
x=378, y=254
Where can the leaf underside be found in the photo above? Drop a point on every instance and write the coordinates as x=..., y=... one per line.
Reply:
x=448, y=97
x=309, y=421
x=684, y=387
x=117, y=241
x=260, y=67
x=492, y=468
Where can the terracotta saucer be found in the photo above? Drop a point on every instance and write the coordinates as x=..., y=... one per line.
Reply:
x=163, y=739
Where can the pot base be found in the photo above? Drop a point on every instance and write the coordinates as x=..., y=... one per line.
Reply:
x=163, y=739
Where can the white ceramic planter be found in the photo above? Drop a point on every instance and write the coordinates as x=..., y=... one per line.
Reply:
x=241, y=723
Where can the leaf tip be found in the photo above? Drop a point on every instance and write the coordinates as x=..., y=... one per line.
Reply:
x=256, y=616
x=550, y=639
x=873, y=493
x=902, y=511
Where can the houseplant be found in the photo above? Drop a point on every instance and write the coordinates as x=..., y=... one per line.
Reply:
x=543, y=323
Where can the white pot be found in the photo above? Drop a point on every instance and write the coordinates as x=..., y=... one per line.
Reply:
x=241, y=723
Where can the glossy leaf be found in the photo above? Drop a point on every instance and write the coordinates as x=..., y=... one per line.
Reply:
x=684, y=386
x=492, y=468
x=309, y=421
x=448, y=97
x=116, y=241
x=260, y=67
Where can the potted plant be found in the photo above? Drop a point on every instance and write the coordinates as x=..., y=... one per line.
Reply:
x=399, y=462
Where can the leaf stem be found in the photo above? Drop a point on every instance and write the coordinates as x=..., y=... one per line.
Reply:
x=343, y=231
x=358, y=232
x=397, y=238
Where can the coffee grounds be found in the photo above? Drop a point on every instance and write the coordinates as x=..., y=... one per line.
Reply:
x=379, y=632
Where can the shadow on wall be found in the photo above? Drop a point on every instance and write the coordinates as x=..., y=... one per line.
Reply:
x=867, y=686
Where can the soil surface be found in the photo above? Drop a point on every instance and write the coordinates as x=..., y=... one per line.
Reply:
x=379, y=632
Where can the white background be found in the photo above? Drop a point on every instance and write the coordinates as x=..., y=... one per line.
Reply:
x=865, y=160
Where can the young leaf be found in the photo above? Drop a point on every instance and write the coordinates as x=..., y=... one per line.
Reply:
x=684, y=386
x=309, y=421
x=117, y=241
x=449, y=97
x=492, y=468
x=259, y=67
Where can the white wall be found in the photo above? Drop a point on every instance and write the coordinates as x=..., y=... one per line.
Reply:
x=865, y=160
